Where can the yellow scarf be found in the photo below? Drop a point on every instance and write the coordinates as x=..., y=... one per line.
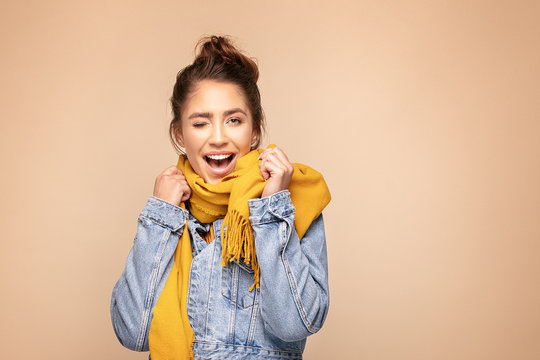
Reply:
x=171, y=336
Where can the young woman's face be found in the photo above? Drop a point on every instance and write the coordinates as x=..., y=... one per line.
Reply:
x=216, y=129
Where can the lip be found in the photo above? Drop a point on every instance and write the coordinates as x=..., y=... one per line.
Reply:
x=221, y=172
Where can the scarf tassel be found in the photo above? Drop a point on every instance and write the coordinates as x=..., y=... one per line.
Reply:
x=238, y=244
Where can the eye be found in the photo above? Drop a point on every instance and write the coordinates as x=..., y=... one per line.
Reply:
x=235, y=120
x=199, y=124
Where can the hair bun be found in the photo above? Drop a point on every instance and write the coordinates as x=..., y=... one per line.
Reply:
x=218, y=49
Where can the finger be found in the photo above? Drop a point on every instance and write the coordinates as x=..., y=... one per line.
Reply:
x=281, y=155
x=274, y=166
x=183, y=183
x=264, y=153
x=264, y=172
x=177, y=177
x=171, y=170
x=275, y=151
x=280, y=160
x=186, y=195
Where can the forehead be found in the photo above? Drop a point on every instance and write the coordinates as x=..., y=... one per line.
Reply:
x=215, y=96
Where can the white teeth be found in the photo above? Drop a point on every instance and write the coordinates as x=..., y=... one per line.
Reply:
x=218, y=157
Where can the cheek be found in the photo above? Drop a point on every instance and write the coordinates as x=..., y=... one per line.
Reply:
x=196, y=162
x=192, y=140
x=248, y=134
x=246, y=138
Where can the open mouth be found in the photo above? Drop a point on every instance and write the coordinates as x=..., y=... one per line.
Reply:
x=219, y=162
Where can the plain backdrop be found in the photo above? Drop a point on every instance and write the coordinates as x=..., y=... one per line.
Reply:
x=423, y=116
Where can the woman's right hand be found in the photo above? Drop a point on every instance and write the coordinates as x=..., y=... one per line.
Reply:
x=171, y=185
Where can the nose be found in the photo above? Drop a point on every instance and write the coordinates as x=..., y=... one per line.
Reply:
x=218, y=137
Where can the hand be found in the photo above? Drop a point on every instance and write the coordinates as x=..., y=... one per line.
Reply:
x=276, y=169
x=171, y=186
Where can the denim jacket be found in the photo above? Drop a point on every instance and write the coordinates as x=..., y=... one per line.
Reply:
x=228, y=320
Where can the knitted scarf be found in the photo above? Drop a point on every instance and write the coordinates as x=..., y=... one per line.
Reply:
x=171, y=336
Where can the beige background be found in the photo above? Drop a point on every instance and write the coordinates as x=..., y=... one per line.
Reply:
x=424, y=117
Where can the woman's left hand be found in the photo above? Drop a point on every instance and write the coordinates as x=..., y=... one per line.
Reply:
x=276, y=169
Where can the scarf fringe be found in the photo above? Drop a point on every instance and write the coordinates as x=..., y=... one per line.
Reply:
x=238, y=244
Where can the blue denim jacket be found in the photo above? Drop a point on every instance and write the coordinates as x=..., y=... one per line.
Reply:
x=229, y=321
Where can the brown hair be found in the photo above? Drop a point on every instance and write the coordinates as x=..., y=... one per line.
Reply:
x=219, y=60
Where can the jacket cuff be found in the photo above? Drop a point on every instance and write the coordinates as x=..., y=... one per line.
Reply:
x=271, y=208
x=164, y=213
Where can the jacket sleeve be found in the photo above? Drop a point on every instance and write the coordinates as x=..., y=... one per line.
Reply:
x=160, y=224
x=294, y=274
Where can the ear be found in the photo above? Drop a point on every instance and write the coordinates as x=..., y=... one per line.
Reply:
x=254, y=136
x=179, y=137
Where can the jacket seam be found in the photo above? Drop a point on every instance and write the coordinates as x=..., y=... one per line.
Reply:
x=114, y=308
x=253, y=319
x=292, y=281
x=160, y=223
x=259, y=213
x=271, y=350
x=277, y=218
x=151, y=292
x=208, y=299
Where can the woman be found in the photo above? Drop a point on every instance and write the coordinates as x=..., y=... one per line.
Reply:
x=229, y=259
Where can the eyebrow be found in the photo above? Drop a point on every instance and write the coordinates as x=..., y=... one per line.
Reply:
x=208, y=115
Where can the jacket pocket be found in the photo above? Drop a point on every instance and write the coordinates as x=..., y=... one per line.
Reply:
x=236, y=279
